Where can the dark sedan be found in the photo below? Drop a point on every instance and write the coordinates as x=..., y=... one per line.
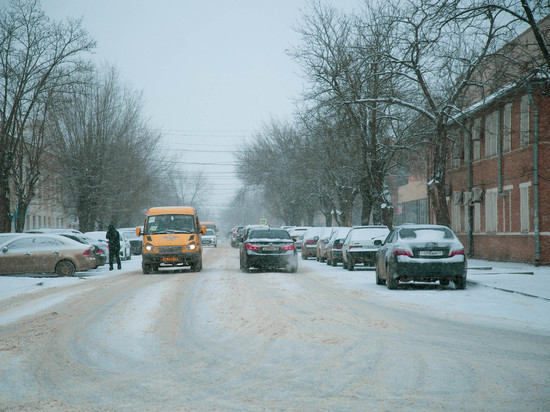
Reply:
x=421, y=253
x=268, y=249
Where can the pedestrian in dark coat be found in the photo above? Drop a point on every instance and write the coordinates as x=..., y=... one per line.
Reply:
x=114, y=246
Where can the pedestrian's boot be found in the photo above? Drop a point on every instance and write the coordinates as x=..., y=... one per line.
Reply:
x=110, y=268
x=119, y=267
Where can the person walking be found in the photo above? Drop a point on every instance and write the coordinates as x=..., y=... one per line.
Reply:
x=114, y=246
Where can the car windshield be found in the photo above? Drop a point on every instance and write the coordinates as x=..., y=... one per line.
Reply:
x=432, y=234
x=210, y=232
x=269, y=234
x=170, y=224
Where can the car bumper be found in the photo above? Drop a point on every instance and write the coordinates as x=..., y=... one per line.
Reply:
x=368, y=257
x=173, y=259
x=272, y=261
x=426, y=270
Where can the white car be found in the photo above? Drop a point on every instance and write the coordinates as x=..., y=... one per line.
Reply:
x=125, y=246
x=360, y=247
x=210, y=238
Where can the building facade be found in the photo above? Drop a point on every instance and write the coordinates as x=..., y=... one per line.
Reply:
x=499, y=171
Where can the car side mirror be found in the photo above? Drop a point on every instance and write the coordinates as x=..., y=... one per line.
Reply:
x=5, y=250
x=138, y=231
x=377, y=242
x=203, y=230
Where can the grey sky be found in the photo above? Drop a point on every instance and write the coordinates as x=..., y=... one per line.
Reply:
x=211, y=72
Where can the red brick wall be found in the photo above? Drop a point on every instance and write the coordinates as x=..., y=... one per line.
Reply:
x=517, y=168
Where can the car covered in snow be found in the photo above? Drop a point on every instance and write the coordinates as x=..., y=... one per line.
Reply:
x=334, y=246
x=421, y=253
x=310, y=239
x=297, y=232
x=266, y=248
x=359, y=246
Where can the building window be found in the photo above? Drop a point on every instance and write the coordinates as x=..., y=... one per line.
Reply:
x=456, y=217
x=507, y=128
x=476, y=139
x=491, y=207
x=507, y=208
x=524, y=121
x=524, y=206
x=477, y=217
x=491, y=123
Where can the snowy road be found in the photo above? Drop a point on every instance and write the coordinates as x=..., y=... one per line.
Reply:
x=225, y=340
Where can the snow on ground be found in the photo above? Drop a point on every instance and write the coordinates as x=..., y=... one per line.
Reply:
x=496, y=292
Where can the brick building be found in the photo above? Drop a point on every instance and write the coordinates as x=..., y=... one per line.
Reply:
x=499, y=175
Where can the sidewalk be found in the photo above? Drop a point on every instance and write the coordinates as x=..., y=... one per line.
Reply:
x=511, y=277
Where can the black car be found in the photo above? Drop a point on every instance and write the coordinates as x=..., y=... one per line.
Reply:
x=268, y=249
x=421, y=253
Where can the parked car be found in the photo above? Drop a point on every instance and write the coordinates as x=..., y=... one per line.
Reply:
x=359, y=246
x=101, y=249
x=136, y=242
x=321, y=249
x=268, y=249
x=125, y=246
x=421, y=253
x=40, y=253
x=296, y=233
x=210, y=238
x=53, y=231
x=334, y=246
x=309, y=241
x=236, y=235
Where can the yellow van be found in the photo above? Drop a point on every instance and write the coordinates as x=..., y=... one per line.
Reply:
x=171, y=238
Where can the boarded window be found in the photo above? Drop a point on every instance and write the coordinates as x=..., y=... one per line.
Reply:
x=507, y=128
x=524, y=206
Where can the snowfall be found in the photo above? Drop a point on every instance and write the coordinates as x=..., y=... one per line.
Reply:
x=496, y=291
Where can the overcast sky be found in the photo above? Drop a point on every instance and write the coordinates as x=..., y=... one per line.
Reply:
x=212, y=72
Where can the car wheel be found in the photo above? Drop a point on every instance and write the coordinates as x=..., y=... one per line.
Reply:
x=351, y=264
x=147, y=269
x=344, y=264
x=65, y=268
x=460, y=283
x=444, y=282
x=334, y=263
x=197, y=266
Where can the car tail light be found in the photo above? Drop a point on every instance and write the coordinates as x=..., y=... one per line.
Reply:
x=398, y=251
x=251, y=246
x=100, y=251
x=310, y=241
x=337, y=247
x=355, y=247
x=87, y=252
x=457, y=252
x=290, y=246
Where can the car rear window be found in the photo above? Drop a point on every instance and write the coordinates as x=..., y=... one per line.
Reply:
x=269, y=234
x=426, y=234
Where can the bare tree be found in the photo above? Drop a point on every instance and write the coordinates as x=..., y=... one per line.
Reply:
x=436, y=51
x=107, y=151
x=38, y=58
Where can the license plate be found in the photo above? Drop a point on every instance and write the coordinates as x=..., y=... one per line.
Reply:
x=270, y=249
x=430, y=253
x=170, y=259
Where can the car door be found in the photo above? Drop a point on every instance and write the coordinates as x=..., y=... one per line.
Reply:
x=384, y=253
x=16, y=256
x=46, y=252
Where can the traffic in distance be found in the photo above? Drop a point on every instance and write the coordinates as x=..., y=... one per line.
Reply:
x=173, y=238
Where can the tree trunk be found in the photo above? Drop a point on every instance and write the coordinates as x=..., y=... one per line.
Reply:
x=438, y=183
